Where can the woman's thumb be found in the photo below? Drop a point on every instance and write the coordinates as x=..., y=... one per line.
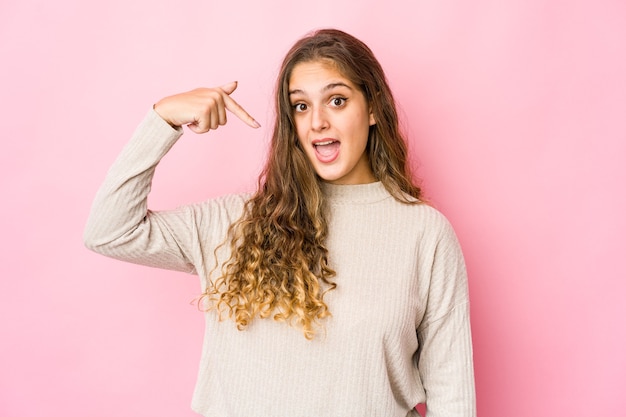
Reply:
x=229, y=88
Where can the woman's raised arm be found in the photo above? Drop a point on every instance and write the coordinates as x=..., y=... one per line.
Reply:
x=120, y=224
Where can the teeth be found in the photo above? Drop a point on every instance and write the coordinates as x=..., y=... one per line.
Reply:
x=328, y=142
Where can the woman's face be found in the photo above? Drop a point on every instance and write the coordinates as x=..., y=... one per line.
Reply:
x=332, y=119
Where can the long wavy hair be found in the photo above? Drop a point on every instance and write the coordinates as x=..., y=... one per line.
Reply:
x=278, y=263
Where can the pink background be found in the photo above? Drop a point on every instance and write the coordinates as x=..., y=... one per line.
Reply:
x=516, y=113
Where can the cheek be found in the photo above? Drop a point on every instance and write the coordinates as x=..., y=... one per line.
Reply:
x=360, y=133
x=300, y=131
x=303, y=146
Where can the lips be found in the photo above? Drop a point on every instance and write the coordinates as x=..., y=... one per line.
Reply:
x=326, y=150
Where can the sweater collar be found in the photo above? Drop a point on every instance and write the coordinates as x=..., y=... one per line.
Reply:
x=355, y=194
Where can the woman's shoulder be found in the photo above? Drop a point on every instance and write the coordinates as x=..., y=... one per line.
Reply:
x=425, y=216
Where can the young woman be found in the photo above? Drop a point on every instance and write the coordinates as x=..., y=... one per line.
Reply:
x=332, y=290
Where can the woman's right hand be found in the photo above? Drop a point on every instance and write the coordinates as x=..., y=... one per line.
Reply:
x=203, y=109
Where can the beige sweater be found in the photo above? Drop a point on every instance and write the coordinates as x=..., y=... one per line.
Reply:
x=399, y=332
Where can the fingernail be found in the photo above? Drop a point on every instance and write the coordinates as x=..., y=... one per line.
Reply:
x=256, y=124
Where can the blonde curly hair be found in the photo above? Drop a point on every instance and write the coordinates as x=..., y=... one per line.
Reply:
x=279, y=263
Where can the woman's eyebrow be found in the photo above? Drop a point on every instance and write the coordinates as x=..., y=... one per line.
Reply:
x=326, y=88
x=335, y=85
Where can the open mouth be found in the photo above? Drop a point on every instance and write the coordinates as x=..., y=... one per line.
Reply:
x=327, y=148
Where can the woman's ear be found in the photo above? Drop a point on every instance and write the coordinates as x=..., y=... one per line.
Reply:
x=372, y=119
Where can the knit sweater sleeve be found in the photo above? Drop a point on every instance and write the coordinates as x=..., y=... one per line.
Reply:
x=120, y=224
x=445, y=360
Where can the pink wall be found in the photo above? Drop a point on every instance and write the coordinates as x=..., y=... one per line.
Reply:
x=517, y=116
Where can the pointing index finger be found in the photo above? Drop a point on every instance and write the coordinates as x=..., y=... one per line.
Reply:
x=239, y=111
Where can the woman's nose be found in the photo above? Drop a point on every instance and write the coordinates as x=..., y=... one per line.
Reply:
x=319, y=119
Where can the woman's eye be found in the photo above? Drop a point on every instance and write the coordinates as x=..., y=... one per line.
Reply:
x=299, y=107
x=338, y=101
